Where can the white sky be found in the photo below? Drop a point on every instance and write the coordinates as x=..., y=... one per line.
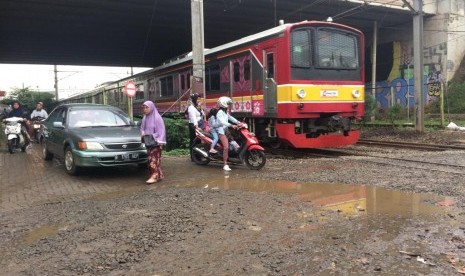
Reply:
x=71, y=79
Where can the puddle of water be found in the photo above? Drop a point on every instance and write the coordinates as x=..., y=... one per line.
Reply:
x=116, y=194
x=41, y=232
x=346, y=199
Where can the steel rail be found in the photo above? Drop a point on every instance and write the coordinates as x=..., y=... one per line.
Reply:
x=424, y=146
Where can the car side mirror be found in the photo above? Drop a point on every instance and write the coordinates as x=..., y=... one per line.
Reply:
x=58, y=125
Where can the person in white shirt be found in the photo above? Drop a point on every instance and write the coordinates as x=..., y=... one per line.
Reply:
x=196, y=117
x=39, y=111
x=223, y=119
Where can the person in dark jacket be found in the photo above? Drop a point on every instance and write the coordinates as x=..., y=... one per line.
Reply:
x=18, y=111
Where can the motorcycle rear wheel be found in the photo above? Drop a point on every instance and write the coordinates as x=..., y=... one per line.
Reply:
x=11, y=146
x=255, y=159
x=197, y=157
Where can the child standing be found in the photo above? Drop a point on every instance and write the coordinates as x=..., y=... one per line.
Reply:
x=213, y=128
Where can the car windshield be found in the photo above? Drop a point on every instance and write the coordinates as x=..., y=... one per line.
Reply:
x=97, y=118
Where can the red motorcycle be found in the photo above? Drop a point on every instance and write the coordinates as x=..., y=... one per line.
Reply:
x=244, y=148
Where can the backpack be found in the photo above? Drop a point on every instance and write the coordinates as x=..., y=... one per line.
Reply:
x=186, y=113
x=212, y=112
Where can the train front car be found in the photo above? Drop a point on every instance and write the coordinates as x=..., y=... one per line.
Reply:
x=320, y=88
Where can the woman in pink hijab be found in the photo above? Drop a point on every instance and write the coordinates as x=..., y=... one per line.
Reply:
x=152, y=124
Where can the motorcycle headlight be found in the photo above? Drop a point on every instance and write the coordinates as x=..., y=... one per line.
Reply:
x=83, y=145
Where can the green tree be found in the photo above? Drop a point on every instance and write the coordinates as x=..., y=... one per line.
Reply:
x=29, y=98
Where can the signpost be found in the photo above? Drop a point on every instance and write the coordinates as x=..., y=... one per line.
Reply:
x=130, y=91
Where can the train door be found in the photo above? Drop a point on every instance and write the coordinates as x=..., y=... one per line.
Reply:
x=269, y=81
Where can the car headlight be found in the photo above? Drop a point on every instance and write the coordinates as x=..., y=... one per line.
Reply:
x=356, y=93
x=301, y=93
x=83, y=145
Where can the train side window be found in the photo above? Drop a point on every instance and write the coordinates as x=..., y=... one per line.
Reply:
x=188, y=80
x=247, y=70
x=237, y=74
x=270, y=65
x=151, y=84
x=140, y=92
x=212, y=78
x=166, y=86
x=183, y=85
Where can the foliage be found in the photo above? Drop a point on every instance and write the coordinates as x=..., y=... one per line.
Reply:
x=29, y=98
x=370, y=108
x=178, y=152
x=395, y=112
x=177, y=133
x=455, y=98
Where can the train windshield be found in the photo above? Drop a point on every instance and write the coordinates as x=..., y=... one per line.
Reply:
x=336, y=50
x=324, y=53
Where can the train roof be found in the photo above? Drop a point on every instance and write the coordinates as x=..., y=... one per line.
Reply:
x=245, y=40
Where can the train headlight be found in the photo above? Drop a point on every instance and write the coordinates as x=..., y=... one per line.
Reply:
x=356, y=93
x=301, y=93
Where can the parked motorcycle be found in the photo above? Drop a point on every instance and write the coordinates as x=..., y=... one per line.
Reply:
x=16, y=138
x=36, y=122
x=246, y=149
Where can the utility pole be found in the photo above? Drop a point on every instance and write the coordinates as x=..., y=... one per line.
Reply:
x=373, y=65
x=198, y=59
x=418, y=64
x=56, y=81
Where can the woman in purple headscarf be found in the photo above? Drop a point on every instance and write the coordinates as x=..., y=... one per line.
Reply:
x=153, y=124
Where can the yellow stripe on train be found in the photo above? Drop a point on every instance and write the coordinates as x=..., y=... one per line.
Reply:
x=320, y=93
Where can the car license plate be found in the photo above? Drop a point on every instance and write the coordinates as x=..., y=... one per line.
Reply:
x=127, y=156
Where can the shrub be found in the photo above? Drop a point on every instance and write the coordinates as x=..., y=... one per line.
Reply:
x=177, y=133
x=370, y=108
x=455, y=98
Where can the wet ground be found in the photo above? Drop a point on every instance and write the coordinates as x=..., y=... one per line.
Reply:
x=315, y=216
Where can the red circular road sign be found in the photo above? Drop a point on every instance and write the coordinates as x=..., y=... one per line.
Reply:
x=130, y=89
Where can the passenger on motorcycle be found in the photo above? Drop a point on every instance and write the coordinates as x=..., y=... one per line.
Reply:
x=223, y=119
x=37, y=115
x=18, y=111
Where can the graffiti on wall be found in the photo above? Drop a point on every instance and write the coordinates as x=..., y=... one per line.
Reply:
x=401, y=90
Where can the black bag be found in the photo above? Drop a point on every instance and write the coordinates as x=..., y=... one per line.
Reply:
x=149, y=141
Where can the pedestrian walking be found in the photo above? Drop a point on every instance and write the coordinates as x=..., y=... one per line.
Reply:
x=153, y=127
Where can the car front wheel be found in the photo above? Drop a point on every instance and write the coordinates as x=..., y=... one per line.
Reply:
x=46, y=155
x=70, y=166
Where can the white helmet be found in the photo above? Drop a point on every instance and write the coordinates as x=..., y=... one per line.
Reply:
x=224, y=102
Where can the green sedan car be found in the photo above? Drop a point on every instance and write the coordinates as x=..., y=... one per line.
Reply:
x=91, y=135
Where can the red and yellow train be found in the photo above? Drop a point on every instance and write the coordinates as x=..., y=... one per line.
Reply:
x=301, y=84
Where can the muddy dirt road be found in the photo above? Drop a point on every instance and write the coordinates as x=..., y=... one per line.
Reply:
x=316, y=216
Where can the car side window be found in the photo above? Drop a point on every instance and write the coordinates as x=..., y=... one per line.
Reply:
x=55, y=116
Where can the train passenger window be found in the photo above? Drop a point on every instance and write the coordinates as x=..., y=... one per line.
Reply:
x=301, y=50
x=188, y=80
x=247, y=70
x=183, y=85
x=237, y=75
x=166, y=86
x=270, y=65
x=212, y=78
x=151, y=84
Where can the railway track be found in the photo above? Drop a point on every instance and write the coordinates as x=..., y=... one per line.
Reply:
x=409, y=145
x=407, y=163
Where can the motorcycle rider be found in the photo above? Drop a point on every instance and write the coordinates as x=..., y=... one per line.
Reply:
x=38, y=113
x=18, y=111
x=223, y=119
